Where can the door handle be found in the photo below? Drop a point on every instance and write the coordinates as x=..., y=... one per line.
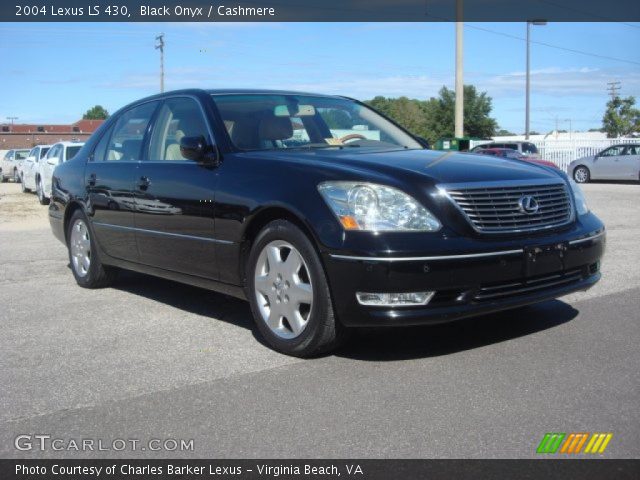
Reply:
x=144, y=183
x=92, y=180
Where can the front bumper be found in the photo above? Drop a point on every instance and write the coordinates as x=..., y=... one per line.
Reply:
x=467, y=284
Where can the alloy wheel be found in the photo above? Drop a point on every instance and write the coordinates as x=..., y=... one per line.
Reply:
x=80, y=248
x=581, y=175
x=283, y=289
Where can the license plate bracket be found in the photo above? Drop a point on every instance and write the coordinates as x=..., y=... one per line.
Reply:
x=544, y=259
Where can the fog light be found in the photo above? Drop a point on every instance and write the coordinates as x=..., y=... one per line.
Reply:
x=394, y=299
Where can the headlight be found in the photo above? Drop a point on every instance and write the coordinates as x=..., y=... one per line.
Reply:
x=581, y=201
x=377, y=208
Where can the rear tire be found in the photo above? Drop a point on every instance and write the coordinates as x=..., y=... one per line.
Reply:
x=581, y=174
x=86, y=266
x=289, y=294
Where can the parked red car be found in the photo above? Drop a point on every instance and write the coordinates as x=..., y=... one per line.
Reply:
x=509, y=153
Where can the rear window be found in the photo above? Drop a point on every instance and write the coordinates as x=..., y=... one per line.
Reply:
x=71, y=152
x=22, y=154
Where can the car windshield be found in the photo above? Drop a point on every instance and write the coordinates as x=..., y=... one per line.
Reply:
x=529, y=148
x=71, y=152
x=281, y=122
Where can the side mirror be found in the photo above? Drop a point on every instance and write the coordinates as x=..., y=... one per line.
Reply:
x=53, y=161
x=196, y=149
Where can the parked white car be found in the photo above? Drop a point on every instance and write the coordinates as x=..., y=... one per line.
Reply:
x=619, y=162
x=10, y=162
x=29, y=167
x=60, y=152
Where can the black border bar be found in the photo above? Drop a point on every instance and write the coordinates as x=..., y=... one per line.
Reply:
x=549, y=469
x=320, y=10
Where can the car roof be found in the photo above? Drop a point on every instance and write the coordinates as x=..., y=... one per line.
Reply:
x=67, y=143
x=253, y=91
x=228, y=91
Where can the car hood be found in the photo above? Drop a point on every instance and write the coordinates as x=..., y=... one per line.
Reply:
x=433, y=166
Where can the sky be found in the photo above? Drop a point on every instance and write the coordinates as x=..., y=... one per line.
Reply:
x=54, y=72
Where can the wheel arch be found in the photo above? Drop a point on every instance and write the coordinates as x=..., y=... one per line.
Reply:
x=68, y=213
x=264, y=217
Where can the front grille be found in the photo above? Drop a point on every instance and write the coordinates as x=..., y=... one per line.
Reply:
x=494, y=292
x=498, y=210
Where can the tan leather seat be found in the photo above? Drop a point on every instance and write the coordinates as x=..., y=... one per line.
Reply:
x=173, y=150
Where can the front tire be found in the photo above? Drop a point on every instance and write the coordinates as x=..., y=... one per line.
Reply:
x=85, y=262
x=16, y=176
x=582, y=174
x=40, y=192
x=289, y=294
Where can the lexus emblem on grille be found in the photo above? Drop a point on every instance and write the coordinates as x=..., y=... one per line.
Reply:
x=528, y=205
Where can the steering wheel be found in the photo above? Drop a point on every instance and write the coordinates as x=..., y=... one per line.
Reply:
x=352, y=136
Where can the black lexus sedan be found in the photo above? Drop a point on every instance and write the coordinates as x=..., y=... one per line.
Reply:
x=319, y=211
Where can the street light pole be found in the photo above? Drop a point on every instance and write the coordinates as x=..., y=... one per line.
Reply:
x=528, y=85
x=459, y=105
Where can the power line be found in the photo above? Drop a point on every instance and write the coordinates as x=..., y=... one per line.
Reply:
x=557, y=47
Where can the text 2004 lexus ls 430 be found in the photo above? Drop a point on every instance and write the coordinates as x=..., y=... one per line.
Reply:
x=321, y=212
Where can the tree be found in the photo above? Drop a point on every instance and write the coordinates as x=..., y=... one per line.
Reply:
x=504, y=133
x=337, y=119
x=96, y=113
x=434, y=118
x=477, y=108
x=621, y=117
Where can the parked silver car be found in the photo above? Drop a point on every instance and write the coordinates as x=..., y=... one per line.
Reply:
x=619, y=162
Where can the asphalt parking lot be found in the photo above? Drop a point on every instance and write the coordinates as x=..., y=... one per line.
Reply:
x=150, y=358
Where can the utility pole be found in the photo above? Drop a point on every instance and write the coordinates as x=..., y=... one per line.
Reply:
x=459, y=106
x=528, y=82
x=12, y=119
x=160, y=46
x=613, y=88
x=570, y=127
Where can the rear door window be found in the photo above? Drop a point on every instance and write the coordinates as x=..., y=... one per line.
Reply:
x=71, y=152
x=127, y=137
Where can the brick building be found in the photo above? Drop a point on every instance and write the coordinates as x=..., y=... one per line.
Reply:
x=28, y=136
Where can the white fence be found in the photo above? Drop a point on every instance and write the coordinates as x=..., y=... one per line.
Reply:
x=563, y=151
